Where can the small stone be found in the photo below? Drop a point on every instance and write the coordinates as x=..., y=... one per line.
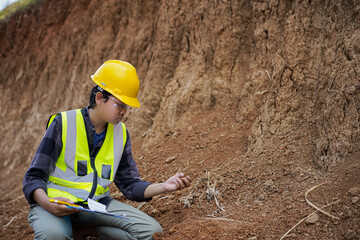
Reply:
x=170, y=159
x=354, y=191
x=269, y=183
x=351, y=89
x=172, y=229
x=262, y=197
x=313, y=218
x=355, y=199
x=256, y=201
x=252, y=238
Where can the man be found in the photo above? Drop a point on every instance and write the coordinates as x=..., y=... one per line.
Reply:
x=81, y=153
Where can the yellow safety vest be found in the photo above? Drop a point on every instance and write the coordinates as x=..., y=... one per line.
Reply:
x=75, y=176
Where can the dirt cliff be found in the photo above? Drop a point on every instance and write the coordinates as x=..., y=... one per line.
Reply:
x=257, y=100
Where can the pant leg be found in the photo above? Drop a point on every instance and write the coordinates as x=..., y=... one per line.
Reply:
x=138, y=225
x=48, y=226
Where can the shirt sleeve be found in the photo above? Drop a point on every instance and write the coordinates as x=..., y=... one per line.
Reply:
x=127, y=177
x=43, y=163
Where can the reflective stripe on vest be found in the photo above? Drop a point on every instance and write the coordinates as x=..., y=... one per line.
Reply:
x=73, y=175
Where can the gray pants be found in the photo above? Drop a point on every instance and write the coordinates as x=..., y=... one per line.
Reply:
x=138, y=225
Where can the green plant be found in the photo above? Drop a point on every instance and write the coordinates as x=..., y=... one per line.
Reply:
x=14, y=7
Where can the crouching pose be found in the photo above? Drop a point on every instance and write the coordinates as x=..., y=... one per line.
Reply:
x=82, y=152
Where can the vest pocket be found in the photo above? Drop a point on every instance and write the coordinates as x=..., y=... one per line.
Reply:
x=81, y=168
x=105, y=171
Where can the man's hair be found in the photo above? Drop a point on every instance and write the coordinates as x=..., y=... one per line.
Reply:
x=94, y=91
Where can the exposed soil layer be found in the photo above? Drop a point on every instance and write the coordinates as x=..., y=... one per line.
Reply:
x=258, y=101
x=234, y=195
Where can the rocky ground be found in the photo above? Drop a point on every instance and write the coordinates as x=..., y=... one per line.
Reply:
x=235, y=194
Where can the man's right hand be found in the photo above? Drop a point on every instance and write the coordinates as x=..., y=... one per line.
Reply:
x=58, y=210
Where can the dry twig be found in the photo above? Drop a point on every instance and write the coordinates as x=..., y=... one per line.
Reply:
x=187, y=200
x=268, y=74
x=165, y=197
x=332, y=82
x=14, y=200
x=14, y=190
x=224, y=219
x=9, y=222
x=211, y=192
x=305, y=219
x=142, y=204
x=313, y=205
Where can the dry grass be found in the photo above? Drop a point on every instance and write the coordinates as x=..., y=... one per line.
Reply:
x=314, y=206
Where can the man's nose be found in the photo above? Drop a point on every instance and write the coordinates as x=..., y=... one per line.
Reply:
x=123, y=110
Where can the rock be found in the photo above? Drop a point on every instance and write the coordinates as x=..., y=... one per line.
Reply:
x=351, y=89
x=355, y=199
x=170, y=159
x=173, y=229
x=252, y=238
x=257, y=201
x=354, y=191
x=269, y=183
x=313, y=218
x=262, y=197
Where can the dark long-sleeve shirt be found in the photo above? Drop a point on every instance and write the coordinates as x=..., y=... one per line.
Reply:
x=43, y=164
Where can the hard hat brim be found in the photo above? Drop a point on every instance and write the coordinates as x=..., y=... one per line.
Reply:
x=132, y=102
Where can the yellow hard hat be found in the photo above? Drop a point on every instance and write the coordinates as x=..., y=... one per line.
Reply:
x=120, y=79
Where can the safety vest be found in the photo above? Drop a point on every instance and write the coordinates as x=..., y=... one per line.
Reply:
x=76, y=174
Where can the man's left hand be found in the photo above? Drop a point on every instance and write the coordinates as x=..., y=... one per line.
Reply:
x=177, y=182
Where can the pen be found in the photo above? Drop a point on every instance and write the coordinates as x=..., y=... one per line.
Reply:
x=62, y=202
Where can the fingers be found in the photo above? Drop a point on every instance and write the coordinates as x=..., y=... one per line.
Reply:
x=61, y=209
x=179, y=183
x=183, y=177
x=187, y=180
x=179, y=175
x=64, y=199
x=182, y=181
x=58, y=210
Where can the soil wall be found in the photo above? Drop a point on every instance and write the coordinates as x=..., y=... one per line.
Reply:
x=275, y=65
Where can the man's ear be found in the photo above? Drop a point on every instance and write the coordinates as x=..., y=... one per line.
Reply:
x=99, y=98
